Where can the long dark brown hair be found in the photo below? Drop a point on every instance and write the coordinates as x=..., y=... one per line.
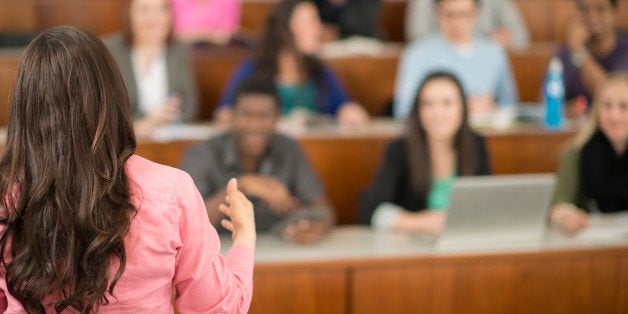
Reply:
x=66, y=199
x=465, y=142
x=277, y=36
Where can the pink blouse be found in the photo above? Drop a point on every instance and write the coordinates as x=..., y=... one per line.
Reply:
x=172, y=244
x=192, y=16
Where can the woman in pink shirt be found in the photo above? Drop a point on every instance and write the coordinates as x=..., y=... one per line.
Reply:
x=214, y=21
x=88, y=226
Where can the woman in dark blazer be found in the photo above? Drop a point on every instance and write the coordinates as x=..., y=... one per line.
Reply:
x=411, y=190
x=155, y=68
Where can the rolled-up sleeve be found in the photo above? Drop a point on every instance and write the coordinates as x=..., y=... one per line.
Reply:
x=205, y=281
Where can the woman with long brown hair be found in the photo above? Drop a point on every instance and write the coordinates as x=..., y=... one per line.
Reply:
x=287, y=53
x=411, y=189
x=85, y=224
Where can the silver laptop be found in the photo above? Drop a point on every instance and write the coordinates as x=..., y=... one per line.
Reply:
x=493, y=210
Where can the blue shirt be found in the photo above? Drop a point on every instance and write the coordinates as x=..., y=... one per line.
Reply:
x=482, y=68
x=329, y=93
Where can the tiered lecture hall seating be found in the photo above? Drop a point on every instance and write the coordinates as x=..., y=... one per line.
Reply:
x=387, y=273
x=370, y=79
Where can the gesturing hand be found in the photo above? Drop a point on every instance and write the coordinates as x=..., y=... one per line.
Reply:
x=240, y=210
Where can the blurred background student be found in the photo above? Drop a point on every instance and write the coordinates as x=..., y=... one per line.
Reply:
x=155, y=67
x=594, y=47
x=481, y=65
x=287, y=53
x=411, y=189
x=346, y=18
x=498, y=20
x=206, y=21
x=86, y=225
x=271, y=169
x=593, y=173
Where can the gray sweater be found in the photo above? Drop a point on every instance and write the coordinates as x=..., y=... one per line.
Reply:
x=180, y=77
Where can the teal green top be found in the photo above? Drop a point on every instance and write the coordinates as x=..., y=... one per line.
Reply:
x=439, y=195
x=298, y=96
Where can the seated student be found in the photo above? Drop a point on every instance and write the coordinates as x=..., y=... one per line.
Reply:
x=287, y=54
x=498, y=19
x=210, y=21
x=412, y=187
x=155, y=68
x=481, y=65
x=594, y=47
x=593, y=174
x=271, y=168
x=87, y=226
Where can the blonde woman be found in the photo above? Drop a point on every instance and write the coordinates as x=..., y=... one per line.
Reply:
x=593, y=174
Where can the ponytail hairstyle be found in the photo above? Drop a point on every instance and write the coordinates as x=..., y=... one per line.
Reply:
x=65, y=197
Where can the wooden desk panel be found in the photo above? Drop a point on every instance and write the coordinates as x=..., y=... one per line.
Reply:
x=623, y=287
x=396, y=273
x=575, y=282
x=388, y=289
x=307, y=290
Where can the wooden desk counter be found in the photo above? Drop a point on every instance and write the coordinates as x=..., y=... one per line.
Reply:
x=346, y=160
x=357, y=270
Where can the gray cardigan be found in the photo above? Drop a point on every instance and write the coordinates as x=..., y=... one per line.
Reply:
x=180, y=78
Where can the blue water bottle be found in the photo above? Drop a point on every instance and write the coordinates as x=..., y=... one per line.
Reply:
x=554, y=95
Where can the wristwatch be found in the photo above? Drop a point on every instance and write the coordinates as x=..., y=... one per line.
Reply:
x=577, y=58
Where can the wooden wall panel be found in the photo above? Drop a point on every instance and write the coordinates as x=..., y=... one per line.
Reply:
x=254, y=15
x=564, y=12
x=537, y=19
x=392, y=20
x=527, y=153
x=212, y=69
x=529, y=68
x=8, y=68
x=369, y=80
x=346, y=166
x=99, y=16
x=18, y=16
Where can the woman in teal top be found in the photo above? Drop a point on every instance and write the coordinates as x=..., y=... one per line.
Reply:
x=287, y=54
x=411, y=190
